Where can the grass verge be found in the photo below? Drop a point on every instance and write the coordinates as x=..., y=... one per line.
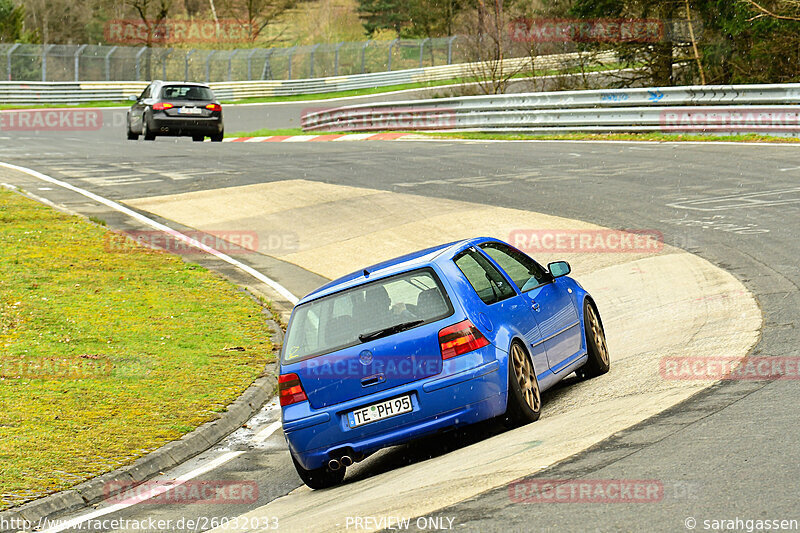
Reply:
x=10, y=107
x=265, y=132
x=488, y=136
x=652, y=137
x=107, y=350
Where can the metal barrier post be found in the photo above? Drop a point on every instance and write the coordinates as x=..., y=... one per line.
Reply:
x=8, y=57
x=450, y=49
x=45, y=48
x=77, y=56
x=186, y=64
x=107, y=61
x=230, y=62
x=364, y=55
x=389, y=63
x=139, y=63
x=422, y=49
x=336, y=58
x=249, y=63
x=291, y=54
x=267, y=70
x=164, y=63
x=311, y=60
x=208, y=65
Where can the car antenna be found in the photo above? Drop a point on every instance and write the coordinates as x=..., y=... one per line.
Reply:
x=366, y=273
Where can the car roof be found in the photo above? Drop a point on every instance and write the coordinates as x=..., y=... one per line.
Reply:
x=187, y=83
x=404, y=263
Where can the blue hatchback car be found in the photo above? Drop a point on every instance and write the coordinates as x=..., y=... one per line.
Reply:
x=439, y=338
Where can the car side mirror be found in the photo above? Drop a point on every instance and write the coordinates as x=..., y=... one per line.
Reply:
x=559, y=268
x=133, y=98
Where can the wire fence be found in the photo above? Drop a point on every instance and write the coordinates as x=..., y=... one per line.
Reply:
x=34, y=62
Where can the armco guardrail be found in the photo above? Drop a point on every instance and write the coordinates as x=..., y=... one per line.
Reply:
x=737, y=108
x=75, y=92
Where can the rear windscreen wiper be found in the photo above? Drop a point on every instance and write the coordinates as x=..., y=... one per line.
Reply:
x=364, y=337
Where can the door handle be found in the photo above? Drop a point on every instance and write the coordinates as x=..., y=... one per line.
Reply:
x=535, y=306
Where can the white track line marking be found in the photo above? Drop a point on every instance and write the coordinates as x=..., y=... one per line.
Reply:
x=596, y=141
x=267, y=432
x=280, y=289
x=354, y=137
x=154, y=491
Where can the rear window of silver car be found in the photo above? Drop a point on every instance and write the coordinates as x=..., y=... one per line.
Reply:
x=186, y=92
x=336, y=321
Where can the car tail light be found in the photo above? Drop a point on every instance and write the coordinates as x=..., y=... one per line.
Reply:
x=161, y=106
x=214, y=107
x=290, y=389
x=460, y=338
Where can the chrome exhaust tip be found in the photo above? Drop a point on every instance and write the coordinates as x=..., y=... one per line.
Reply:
x=334, y=465
x=346, y=460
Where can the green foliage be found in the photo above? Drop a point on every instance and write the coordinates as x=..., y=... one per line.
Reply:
x=736, y=42
x=411, y=18
x=383, y=14
x=738, y=48
x=11, y=18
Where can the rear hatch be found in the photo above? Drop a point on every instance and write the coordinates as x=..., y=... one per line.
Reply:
x=188, y=101
x=367, y=339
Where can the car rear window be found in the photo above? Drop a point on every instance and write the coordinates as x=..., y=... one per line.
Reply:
x=336, y=321
x=186, y=92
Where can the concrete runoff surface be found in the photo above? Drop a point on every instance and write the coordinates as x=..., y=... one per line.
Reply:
x=662, y=304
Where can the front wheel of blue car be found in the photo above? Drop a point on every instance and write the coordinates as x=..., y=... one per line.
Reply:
x=319, y=478
x=596, y=346
x=524, y=396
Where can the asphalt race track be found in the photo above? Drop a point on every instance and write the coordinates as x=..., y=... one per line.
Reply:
x=730, y=451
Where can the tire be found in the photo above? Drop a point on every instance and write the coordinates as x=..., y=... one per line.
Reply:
x=598, y=362
x=198, y=138
x=148, y=136
x=218, y=137
x=320, y=478
x=131, y=136
x=524, y=395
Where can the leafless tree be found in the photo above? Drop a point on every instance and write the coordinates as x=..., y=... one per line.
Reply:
x=490, y=45
x=153, y=14
x=254, y=16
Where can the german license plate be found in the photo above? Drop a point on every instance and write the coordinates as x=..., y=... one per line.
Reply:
x=191, y=111
x=379, y=411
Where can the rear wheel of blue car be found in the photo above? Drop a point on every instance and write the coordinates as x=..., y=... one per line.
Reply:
x=596, y=346
x=524, y=396
x=320, y=478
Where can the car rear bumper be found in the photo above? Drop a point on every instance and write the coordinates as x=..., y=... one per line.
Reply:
x=440, y=402
x=163, y=125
